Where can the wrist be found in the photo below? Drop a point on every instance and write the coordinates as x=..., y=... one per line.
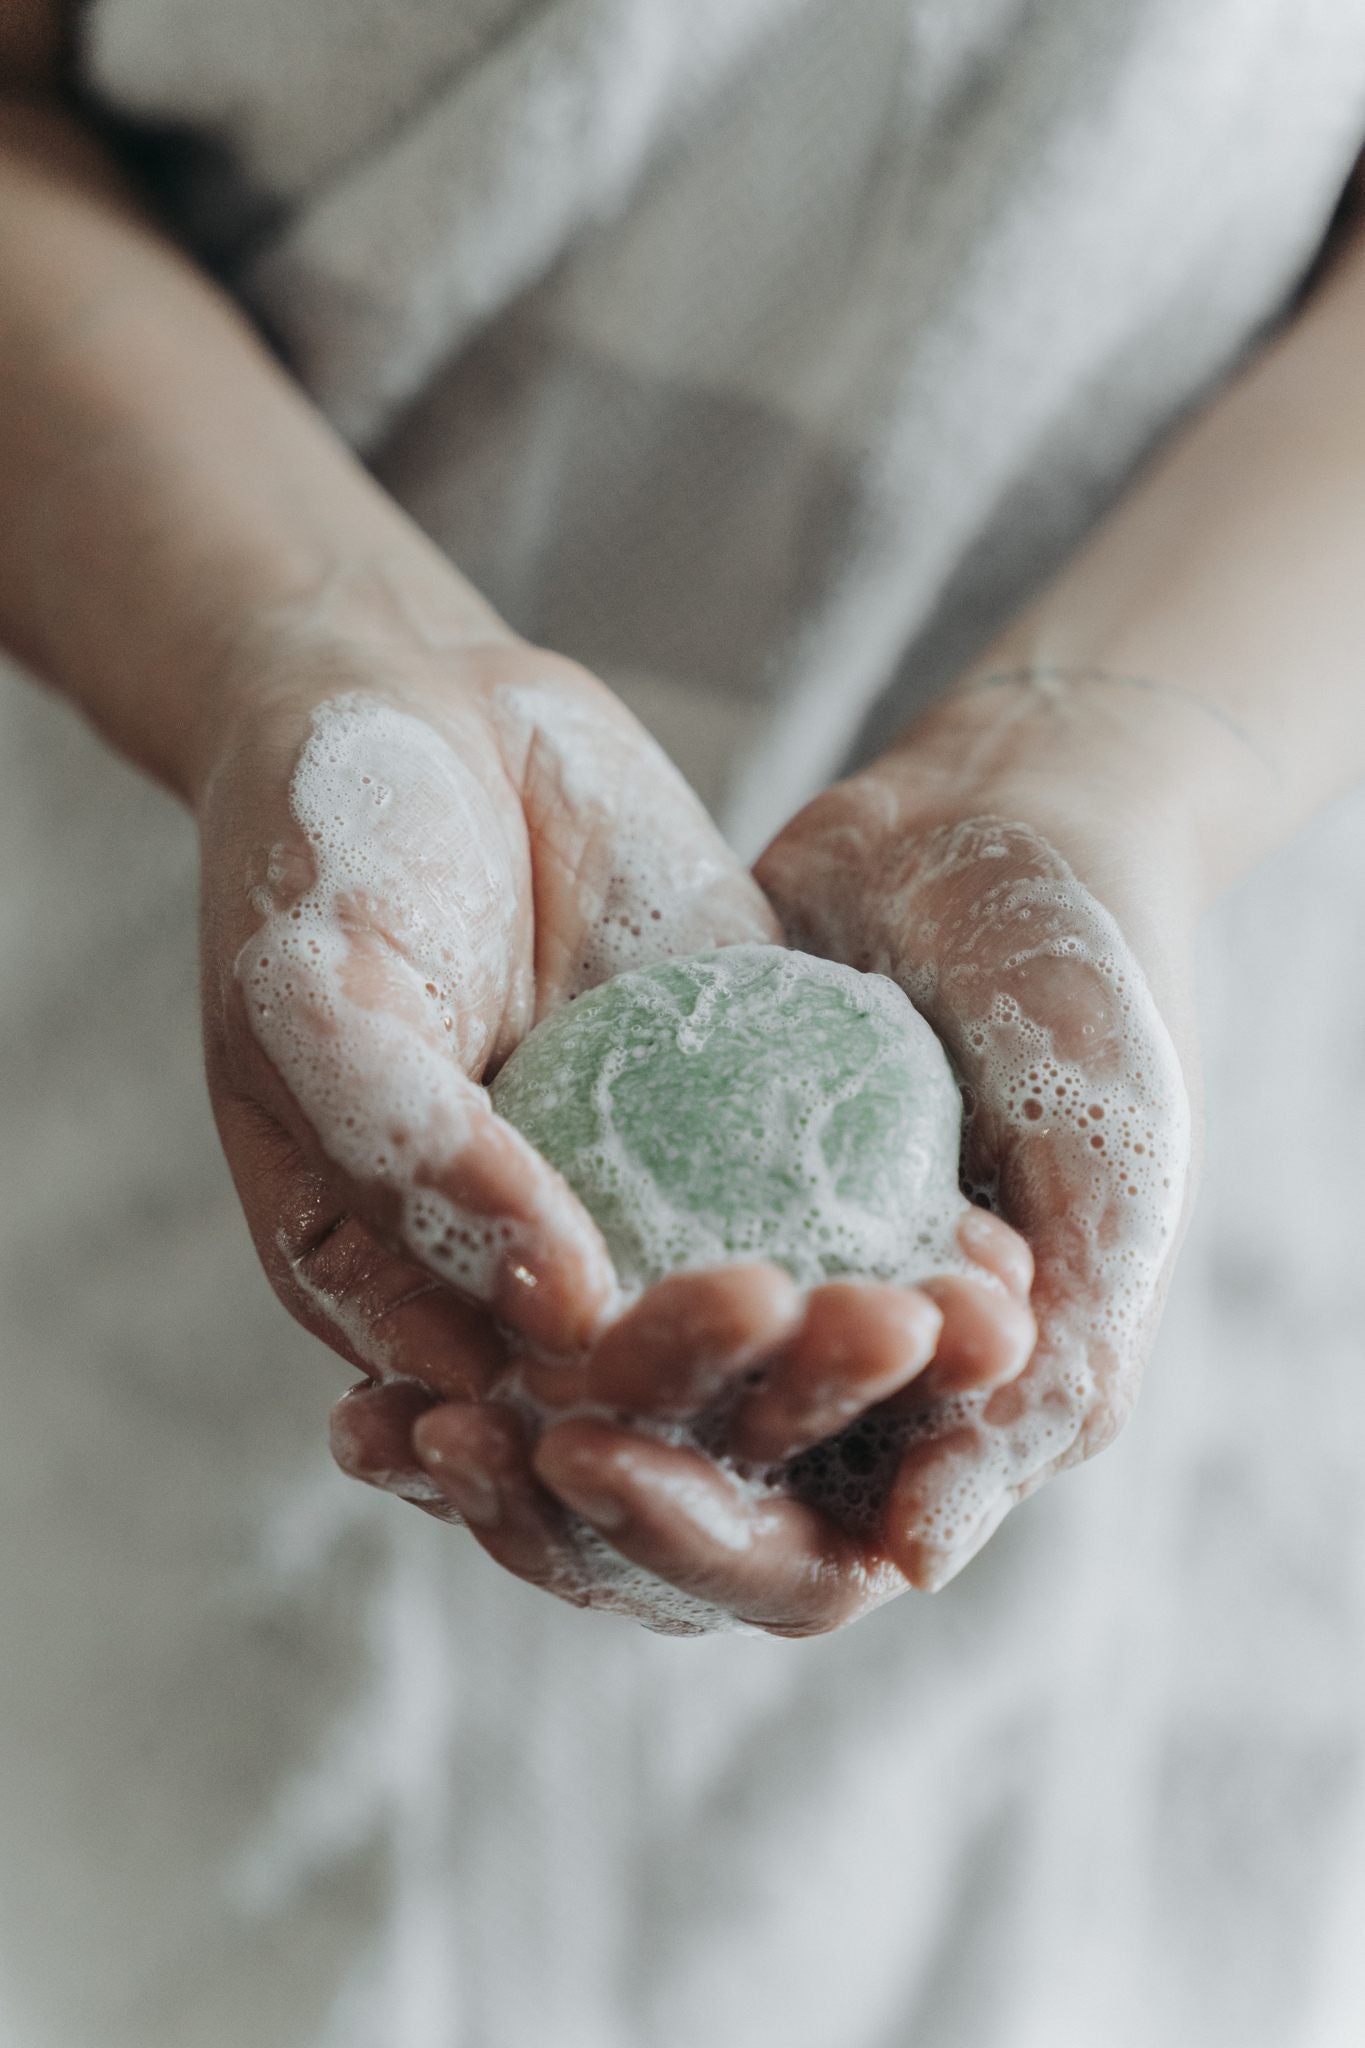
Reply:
x=398, y=623
x=1100, y=789
x=1138, y=774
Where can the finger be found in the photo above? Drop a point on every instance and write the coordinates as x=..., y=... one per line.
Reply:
x=423, y=1156
x=772, y=1561
x=371, y=1436
x=380, y=1310
x=992, y=1243
x=950, y=1493
x=478, y=1459
x=495, y=1220
x=858, y=1342
x=688, y=1337
x=987, y=1337
x=954, y=1486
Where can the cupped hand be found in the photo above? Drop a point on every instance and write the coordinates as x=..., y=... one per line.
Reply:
x=1079, y=1125
x=407, y=860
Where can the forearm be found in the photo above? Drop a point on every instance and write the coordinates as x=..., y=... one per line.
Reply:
x=166, y=492
x=1200, y=665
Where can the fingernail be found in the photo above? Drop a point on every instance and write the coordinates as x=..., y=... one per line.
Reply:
x=470, y=1488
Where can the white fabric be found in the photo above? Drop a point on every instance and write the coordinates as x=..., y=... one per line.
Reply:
x=286, y=1763
x=765, y=349
x=760, y=354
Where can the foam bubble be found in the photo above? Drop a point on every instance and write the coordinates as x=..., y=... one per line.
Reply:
x=659, y=878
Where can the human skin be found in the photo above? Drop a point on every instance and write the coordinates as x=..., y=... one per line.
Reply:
x=1146, y=724
x=149, y=445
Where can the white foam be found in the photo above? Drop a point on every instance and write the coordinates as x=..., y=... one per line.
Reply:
x=372, y=990
x=1115, y=1113
x=666, y=882
x=611, y=1584
x=375, y=991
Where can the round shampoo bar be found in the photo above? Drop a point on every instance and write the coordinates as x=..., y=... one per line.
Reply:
x=747, y=1103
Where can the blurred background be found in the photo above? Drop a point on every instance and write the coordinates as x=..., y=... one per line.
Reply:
x=284, y=1763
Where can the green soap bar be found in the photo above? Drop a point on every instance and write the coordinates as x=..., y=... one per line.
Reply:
x=747, y=1103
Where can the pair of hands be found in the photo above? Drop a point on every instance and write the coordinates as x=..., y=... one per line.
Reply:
x=409, y=862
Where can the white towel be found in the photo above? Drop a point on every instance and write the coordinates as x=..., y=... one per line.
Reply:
x=760, y=353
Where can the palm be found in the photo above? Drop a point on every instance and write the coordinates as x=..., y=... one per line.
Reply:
x=431, y=873
x=1079, y=1133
